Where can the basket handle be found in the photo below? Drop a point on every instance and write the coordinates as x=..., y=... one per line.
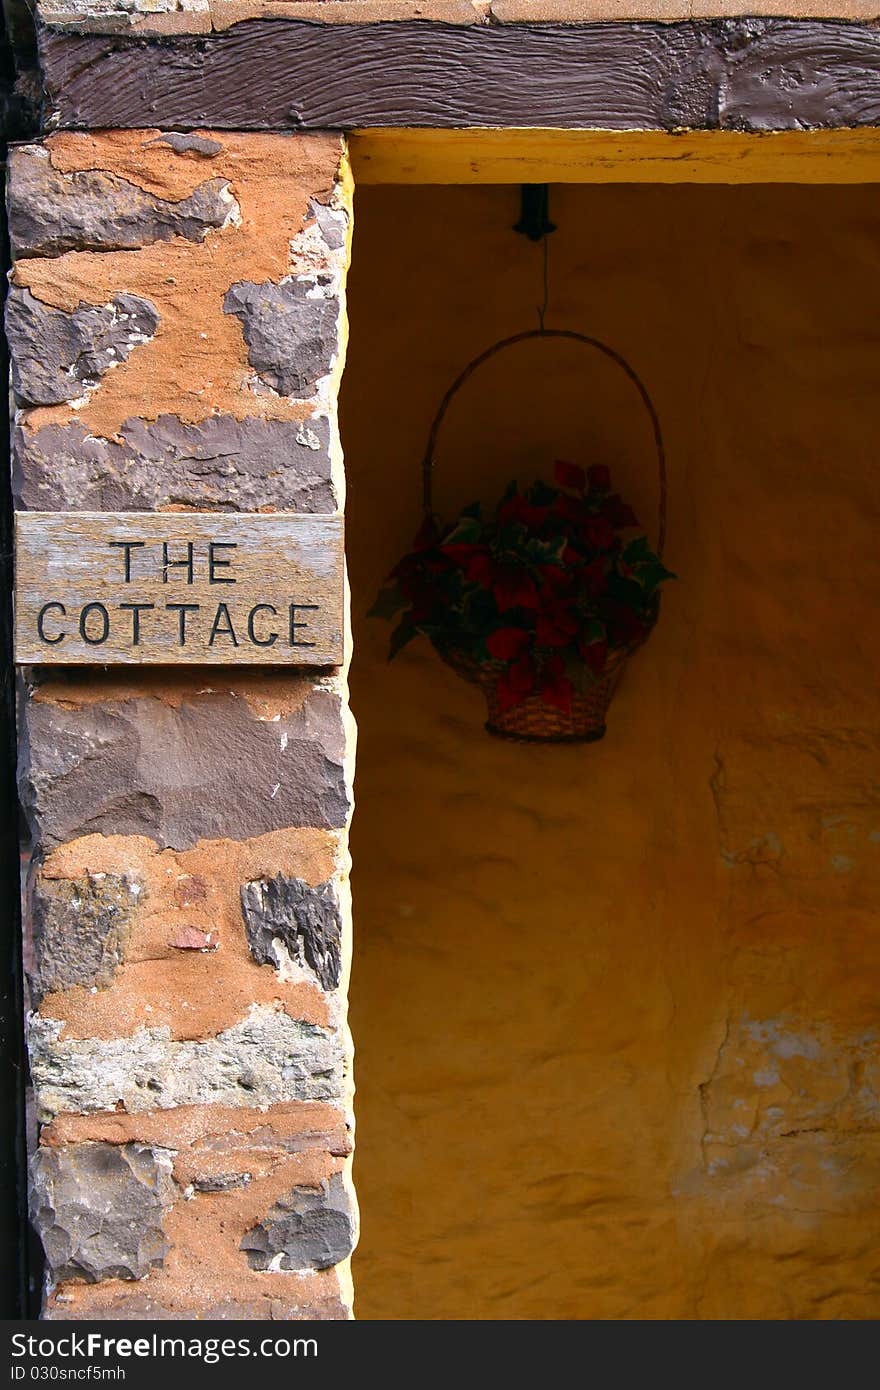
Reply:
x=621, y=362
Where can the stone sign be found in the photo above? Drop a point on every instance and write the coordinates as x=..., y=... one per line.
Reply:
x=178, y=587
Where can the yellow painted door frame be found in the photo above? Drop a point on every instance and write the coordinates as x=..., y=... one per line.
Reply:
x=510, y=156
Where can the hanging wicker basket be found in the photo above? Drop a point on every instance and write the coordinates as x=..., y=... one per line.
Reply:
x=533, y=719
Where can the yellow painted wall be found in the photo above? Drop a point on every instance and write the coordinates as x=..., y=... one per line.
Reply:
x=616, y=1007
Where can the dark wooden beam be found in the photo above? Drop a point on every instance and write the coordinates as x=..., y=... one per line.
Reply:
x=755, y=74
x=20, y=85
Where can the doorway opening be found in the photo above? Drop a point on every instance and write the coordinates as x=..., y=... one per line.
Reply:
x=579, y=971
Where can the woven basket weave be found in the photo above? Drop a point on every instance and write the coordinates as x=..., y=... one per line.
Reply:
x=533, y=720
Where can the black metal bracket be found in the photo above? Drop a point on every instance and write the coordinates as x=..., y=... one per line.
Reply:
x=534, y=221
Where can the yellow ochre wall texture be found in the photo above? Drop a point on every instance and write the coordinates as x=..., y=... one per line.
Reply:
x=616, y=1007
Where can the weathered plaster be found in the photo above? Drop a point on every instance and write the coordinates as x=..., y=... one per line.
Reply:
x=182, y=897
x=266, y=1058
x=616, y=1008
x=197, y=367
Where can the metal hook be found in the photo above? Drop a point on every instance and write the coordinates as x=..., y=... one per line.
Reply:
x=534, y=219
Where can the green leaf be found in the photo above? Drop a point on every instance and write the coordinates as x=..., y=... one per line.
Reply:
x=650, y=576
x=403, y=633
x=637, y=551
x=389, y=602
x=577, y=671
x=513, y=537
x=467, y=531
x=539, y=552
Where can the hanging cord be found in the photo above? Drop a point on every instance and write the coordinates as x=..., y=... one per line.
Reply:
x=534, y=223
x=542, y=311
x=565, y=334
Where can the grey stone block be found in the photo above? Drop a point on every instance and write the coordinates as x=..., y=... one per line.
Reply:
x=198, y=145
x=208, y=769
x=98, y=1209
x=80, y=930
x=309, y=1228
x=290, y=330
x=59, y=357
x=305, y=920
x=51, y=212
x=221, y=463
x=333, y=223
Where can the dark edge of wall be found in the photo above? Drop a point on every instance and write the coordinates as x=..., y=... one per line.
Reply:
x=19, y=1270
x=747, y=74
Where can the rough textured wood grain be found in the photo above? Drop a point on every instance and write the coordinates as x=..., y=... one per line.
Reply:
x=131, y=587
x=791, y=75
x=750, y=74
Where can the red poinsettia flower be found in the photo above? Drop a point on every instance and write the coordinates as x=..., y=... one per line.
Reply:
x=516, y=508
x=556, y=628
x=513, y=587
x=473, y=558
x=420, y=593
x=600, y=533
x=570, y=475
x=531, y=585
x=461, y=551
x=419, y=563
x=410, y=578
x=555, y=580
x=596, y=576
x=479, y=569
x=568, y=508
x=516, y=683
x=507, y=643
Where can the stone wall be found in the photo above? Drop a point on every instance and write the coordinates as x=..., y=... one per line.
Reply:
x=177, y=328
